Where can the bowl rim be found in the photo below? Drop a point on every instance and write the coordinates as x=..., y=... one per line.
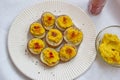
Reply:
x=97, y=51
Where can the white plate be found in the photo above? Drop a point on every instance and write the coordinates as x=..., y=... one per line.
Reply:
x=32, y=67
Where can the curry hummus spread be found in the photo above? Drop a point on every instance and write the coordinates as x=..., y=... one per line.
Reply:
x=110, y=48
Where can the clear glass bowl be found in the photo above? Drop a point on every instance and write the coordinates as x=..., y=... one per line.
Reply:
x=115, y=29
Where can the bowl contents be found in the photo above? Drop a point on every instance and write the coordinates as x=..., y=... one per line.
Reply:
x=109, y=48
x=55, y=38
x=35, y=45
x=49, y=56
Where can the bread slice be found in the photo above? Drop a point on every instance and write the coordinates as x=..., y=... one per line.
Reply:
x=64, y=58
x=59, y=27
x=65, y=38
x=41, y=36
x=31, y=50
x=32, y=27
x=44, y=62
x=51, y=43
x=47, y=27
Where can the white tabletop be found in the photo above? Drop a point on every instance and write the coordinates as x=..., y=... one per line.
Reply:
x=99, y=70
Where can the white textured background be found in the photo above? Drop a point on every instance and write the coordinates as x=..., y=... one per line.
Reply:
x=9, y=9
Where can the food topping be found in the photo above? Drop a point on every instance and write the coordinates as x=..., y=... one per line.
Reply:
x=64, y=21
x=67, y=51
x=36, y=44
x=54, y=35
x=74, y=35
x=50, y=55
x=36, y=29
x=48, y=19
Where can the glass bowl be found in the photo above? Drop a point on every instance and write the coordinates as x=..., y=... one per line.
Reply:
x=115, y=29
